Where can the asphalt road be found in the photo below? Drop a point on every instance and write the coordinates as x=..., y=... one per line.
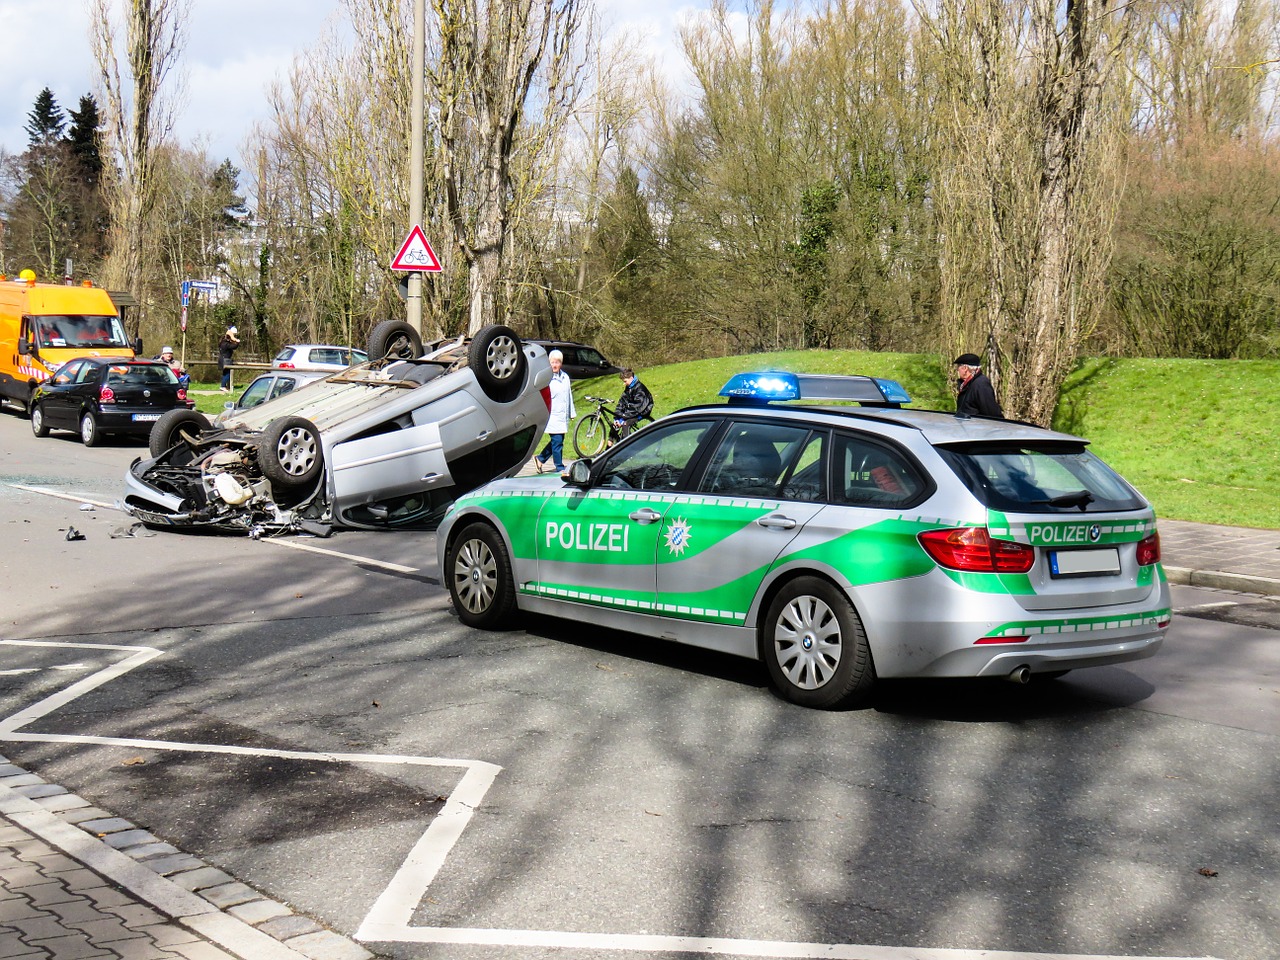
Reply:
x=313, y=720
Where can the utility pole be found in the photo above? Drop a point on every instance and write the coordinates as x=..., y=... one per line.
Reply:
x=417, y=75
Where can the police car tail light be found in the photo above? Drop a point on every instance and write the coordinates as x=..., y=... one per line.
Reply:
x=972, y=550
x=106, y=395
x=1149, y=550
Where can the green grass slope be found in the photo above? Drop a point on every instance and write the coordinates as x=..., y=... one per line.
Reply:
x=1199, y=438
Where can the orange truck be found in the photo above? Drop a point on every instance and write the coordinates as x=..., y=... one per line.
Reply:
x=43, y=325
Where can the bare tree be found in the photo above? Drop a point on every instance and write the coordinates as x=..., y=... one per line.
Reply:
x=489, y=55
x=1027, y=181
x=139, y=116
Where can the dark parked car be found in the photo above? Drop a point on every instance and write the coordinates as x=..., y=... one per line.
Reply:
x=581, y=362
x=96, y=396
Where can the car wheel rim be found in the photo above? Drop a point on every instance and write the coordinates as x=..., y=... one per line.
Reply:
x=86, y=429
x=807, y=642
x=475, y=576
x=37, y=418
x=296, y=451
x=502, y=357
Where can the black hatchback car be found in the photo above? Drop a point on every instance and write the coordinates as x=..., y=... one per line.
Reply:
x=97, y=396
x=581, y=362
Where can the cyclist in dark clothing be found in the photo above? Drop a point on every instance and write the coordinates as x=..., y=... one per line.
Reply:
x=634, y=405
x=977, y=397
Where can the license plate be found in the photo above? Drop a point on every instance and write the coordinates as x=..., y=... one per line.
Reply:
x=145, y=417
x=1084, y=563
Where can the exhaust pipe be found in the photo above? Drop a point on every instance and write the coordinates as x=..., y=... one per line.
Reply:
x=1020, y=674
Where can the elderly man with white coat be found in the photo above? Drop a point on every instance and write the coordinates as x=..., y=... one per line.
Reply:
x=562, y=412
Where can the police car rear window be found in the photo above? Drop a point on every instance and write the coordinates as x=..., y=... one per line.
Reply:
x=1040, y=478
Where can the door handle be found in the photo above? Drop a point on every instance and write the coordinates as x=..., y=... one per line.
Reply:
x=776, y=522
x=645, y=515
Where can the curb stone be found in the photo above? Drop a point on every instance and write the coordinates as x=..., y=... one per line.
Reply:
x=194, y=894
x=1217, y=580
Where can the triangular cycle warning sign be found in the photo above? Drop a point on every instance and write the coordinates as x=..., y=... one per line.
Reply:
x=415, y=253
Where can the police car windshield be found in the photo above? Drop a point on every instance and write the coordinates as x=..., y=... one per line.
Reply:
x=1047, y=478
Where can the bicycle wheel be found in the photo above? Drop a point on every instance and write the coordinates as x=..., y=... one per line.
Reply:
x=590, y=435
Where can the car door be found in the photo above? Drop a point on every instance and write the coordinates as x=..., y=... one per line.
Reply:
x=600, y=546
x=762, y=484
x=58, y=402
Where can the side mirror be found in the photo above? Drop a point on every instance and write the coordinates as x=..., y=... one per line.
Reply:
x=579, y=473
x=137, y=347
x=26, y=348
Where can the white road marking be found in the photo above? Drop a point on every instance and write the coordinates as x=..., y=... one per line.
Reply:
x=73, y=497
x=368, y=561
x=390, y=917
x=15, y=673
x=294, y=544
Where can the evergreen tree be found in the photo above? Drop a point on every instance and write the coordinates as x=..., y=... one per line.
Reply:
x=46, y=120
x=83, y=139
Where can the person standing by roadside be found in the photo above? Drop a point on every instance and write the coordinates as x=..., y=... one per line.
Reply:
x=977, y=397
x=227, y=346
x=634, y=405
x=562, y=412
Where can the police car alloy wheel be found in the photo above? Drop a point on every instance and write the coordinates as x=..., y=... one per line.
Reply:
x=480, y=579
x=815, y=647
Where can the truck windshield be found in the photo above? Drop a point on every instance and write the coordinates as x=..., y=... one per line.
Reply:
x=79, y=331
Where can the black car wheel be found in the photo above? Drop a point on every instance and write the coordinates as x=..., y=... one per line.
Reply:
x=289, y=452
x=38, y=425
x=815, y=648
x=480, y=579
x=394, y=339
x=174, y=427
x=497, y=358
x=90, y=435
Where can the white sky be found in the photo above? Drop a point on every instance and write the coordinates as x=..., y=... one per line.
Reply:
x=234, y=49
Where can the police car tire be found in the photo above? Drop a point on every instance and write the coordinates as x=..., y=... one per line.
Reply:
x=843, y=676
x=289, y=452
x=481, y=583
x=394, y=338
x=165, y=433
x=38, y=424
x=496, y=357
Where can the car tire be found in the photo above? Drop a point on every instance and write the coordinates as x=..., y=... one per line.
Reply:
x=394, y=339
x=481, y=581
x=38, y=425
x=90, y=435
x=289, y=452
x=815, y=648
x=496, y=356
x=172, y=426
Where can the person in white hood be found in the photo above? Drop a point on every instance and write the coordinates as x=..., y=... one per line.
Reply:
x=562, y=412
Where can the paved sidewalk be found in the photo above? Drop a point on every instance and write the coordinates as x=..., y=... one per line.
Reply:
x=1225, y=558
x=79, y=884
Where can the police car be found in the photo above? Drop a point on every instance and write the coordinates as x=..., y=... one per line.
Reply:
x=837, y=544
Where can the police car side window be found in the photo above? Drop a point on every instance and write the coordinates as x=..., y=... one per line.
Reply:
x=752, y=459
x=868, y=474
x=657, y=458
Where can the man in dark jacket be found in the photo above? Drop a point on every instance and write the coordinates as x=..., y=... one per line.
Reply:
x=977, y=397
x=635, y=404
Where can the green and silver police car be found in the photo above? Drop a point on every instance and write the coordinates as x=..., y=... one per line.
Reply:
x=836, y=543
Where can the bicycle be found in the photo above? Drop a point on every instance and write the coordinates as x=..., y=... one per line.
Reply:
x=595, y=431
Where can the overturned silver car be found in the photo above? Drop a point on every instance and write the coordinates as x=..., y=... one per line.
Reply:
x=383, y=444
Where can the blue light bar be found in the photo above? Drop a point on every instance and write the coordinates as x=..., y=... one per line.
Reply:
x=769, y=385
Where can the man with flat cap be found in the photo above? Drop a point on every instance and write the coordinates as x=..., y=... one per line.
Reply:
x=977, y=397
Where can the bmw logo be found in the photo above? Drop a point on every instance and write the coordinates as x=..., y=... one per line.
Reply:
x=1095, y=533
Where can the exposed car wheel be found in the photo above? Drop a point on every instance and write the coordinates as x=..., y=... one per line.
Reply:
x=89, y=433
x=173, y=427
x=497, y=358
x=814, y=646
x=395, y=339
x=38, y=426
x=480, y=579
x=289, y=452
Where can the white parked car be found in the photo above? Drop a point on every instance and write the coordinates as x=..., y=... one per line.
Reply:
x=317, y=356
